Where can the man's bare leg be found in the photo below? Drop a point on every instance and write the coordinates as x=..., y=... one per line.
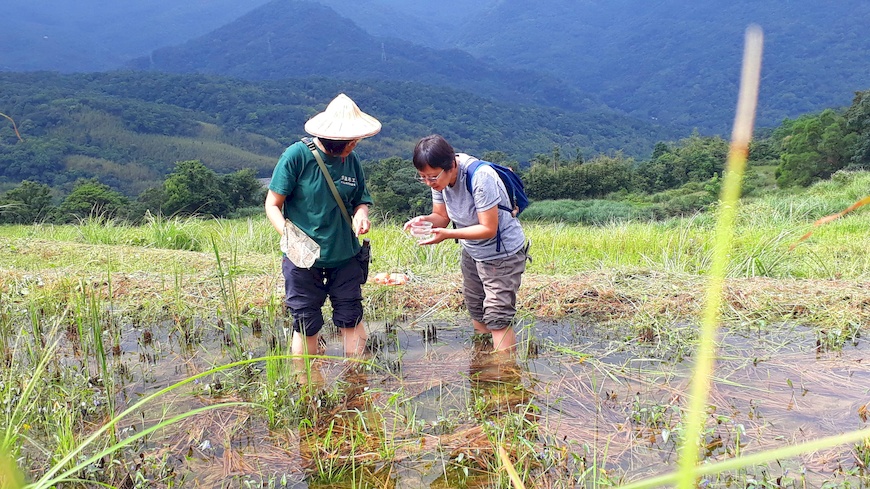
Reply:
x=306, y=345
x=354, y=339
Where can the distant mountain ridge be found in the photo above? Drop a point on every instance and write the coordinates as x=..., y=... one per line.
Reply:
x=95, y=35
x=675, y=61
x=295, y=39
x=669, y=60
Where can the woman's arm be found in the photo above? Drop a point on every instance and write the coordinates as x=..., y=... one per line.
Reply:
x=487, y=227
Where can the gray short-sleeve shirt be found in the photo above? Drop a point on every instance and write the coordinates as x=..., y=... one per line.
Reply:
x=462, y=208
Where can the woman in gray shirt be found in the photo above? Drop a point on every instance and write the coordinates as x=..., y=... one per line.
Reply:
x=494, y=248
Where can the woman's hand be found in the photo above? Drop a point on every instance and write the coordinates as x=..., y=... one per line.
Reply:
x=407, y=226
x=438, y=235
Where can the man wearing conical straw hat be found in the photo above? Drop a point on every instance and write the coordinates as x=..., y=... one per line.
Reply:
x=333, y=216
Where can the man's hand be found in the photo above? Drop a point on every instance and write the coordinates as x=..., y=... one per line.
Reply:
x=361, y=223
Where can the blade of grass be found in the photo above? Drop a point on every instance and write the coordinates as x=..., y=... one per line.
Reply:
x=832, y=217
x=10, y=433
x=509, y=466
x=724, y=238
x=754, y=459
x=10, y=476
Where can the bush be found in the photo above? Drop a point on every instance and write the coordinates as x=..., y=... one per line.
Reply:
x=586, y=211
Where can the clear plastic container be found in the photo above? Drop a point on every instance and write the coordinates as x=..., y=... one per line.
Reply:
x=421, y=230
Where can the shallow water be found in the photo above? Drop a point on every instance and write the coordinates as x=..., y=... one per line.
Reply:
x=597, y=390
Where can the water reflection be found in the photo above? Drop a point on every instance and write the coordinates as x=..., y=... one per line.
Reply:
x=495, y=380
x=433, y=404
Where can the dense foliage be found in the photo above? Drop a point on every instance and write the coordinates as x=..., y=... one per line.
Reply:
x=129, y=129
x=191, y=189
x=815, y=146
x=125, y=144
x=679, y=178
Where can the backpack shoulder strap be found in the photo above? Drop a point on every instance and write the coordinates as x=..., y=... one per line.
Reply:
x=469, y=173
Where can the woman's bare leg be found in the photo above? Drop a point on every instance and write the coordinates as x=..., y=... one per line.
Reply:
x=504, y=339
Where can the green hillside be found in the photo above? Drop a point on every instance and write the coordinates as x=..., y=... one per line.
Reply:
x=679, y=62
x=130, y=128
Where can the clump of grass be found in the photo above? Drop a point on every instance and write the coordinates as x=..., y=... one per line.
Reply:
x=169, y=232
x=99, y=228
x=861, y=451
x=834, y=339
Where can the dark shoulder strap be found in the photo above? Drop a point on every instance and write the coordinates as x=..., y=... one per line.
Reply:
x=469, y=173
x=310, y=143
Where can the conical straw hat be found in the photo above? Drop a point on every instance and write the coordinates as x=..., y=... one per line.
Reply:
x=342, y=120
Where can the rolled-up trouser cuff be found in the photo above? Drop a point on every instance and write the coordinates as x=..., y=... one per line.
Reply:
x=347, y=313
x=309, y=322
x=490, y=288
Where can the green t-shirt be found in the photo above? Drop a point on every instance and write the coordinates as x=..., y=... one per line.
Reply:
x=309, y=202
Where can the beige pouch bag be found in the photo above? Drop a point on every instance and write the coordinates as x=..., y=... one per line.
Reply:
x=298, y=246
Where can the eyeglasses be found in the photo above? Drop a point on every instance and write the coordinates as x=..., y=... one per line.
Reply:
x=422, y=179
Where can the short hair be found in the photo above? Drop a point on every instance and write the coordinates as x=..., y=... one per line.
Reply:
x=334, y=146
x=434, y=151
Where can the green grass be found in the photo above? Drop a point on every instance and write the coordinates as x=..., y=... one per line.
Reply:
x=765, y=229
x=78, y=281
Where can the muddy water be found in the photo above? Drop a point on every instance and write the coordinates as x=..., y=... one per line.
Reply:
x=602, y=393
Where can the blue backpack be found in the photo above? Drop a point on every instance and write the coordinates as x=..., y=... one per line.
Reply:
x=512, y=184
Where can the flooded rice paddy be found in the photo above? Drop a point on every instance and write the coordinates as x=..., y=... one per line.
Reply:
x=579, y=405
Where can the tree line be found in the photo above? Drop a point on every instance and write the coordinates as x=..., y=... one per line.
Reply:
x=191, y=189
x=678, y=178
x=68, y=143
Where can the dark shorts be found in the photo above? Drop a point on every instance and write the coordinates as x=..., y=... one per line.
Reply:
x=490, y=288
x=306, y=290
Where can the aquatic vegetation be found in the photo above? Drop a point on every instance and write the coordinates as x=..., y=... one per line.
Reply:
x=95, y=323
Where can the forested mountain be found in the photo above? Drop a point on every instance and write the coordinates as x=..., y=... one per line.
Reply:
x=424, y=22
x=92, y=35
x=130, y=128
x=671, y=60
x=668, y=61
x=288, y=38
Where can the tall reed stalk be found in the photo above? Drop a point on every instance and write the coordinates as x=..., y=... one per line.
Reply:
x=688, y=473
x=724, y=237
x=229, y=298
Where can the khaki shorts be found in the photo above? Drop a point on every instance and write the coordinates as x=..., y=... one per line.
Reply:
x=490, y=288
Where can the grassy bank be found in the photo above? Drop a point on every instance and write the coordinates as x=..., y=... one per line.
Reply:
x=624, y=268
